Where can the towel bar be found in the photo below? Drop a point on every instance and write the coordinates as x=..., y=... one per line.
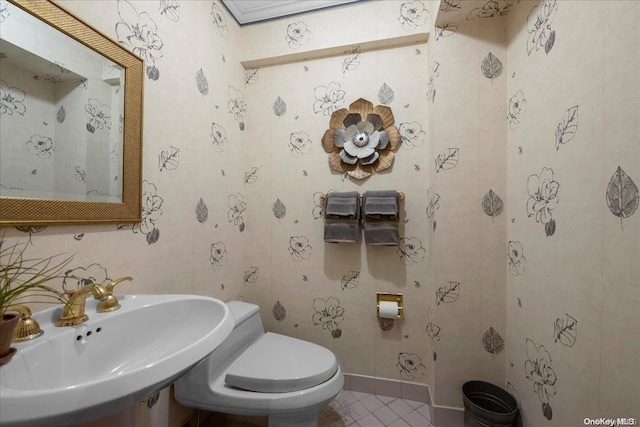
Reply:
x=324, y=195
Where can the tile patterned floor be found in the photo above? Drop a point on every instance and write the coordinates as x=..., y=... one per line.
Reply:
x=355, y=409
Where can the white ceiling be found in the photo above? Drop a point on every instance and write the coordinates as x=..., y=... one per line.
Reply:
x=252, y=11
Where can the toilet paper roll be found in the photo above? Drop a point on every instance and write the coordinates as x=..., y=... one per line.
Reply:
x=388, y=310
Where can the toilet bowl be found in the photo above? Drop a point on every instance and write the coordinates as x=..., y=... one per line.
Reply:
x=267, y=374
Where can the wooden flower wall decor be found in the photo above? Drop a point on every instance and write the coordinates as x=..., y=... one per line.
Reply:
x=361, y=140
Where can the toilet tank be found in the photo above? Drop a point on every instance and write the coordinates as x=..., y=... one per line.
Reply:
x=247, y=330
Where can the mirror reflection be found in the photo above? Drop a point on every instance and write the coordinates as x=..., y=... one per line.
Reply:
x=61, y=114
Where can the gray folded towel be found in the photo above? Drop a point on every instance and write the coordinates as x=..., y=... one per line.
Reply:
x=342, y=217
x=380, y=204
x=342, y=205
x=380, y=212
x=381, y=233
x=342, y=230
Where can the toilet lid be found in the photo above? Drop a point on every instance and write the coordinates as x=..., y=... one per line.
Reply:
x=277, y=364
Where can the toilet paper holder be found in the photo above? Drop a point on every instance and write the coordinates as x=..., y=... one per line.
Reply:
x=390, y=297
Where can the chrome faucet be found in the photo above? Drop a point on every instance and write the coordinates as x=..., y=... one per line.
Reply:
x=73, y=312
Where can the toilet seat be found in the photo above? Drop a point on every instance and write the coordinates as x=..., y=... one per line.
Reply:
x=277, y=364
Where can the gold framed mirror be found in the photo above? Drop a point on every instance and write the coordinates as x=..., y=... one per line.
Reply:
x=120, y=147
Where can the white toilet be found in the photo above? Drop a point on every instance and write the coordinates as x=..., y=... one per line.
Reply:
x=267, y=374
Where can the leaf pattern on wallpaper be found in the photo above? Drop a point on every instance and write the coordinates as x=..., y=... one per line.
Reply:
x=61, y=115
x=410, y=366
x=279, y=209
x=386, y=94
x=492, y=204
x=491, y=67
x=299, y=144
x=565, y=330
x=251, y=76
x=492, y=341
x=251, y=176
x=202, y=83
x=410, y=250
x=622, y=195
x=351, y=280
x=170, y=9
x=448, y=160
x=218, y=137
x=539, y=26
x=413, y=14
x=97, y=117
x=218, y=255
x=299, y=248
x=491, y=9
x=237, y=106
x=297, y=34
x=352, y=61
x=278, y=311
x=448, y=293
x=139, y=32
x=568, y=127
x=219, y=21
x=537, y=369
x=251, y=275
x=279, y=107
x=433, y=204
x=80, y=174
x=517, y=261
x=543, y=198
x=517, y=104
x=328, y=313
x=433, y=75
x=202, y=212
x=446, y=30
x=411, y=134
x=328, y=98
x=40, y=146
x=169, y=159
x=237, y=209
x=11, y=100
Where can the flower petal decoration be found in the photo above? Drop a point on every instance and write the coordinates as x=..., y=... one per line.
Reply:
x=361, y=139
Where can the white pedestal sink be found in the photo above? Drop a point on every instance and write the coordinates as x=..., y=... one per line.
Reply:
x=75, y=374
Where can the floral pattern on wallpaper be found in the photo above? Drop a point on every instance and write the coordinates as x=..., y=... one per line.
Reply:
x=413, y=14
x=11, y=100
x=329, y=314
x=297, y=34
x=543, y=199
x=541, y=35
x=151, y=212
x=538, y=370
x=139, y=32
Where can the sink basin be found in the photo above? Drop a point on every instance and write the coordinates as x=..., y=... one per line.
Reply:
x=75, y=374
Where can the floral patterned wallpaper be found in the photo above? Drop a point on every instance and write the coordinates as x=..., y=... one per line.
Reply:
x=516, y=260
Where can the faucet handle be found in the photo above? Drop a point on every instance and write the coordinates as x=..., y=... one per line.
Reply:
x=114, y=282
x=109, y=302
x=27, y=328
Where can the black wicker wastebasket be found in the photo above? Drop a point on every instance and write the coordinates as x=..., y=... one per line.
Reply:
x=487, y=405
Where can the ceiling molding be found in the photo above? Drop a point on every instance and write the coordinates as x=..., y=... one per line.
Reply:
x=254, y=11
